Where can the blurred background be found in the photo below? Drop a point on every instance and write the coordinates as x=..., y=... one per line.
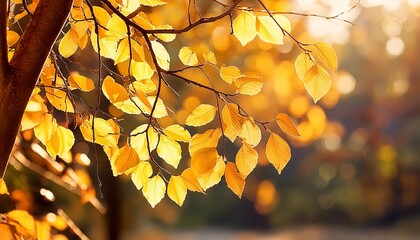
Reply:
x=354, y=173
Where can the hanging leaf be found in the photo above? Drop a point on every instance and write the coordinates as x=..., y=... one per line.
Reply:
x=162, y=55
x=59, y=99
x=234, y=179
x=113, y=91
x=140, y=143
x=250, y=132
x=317, y=82
x=208, y=139
x=69, y=43
x=302, y=64
x=204, y=160
x=286, y=124
x=230, y=74
x=269, y=31
x=248, y=86
x=23, y=223
x=177, y=190
x=188, y=57
x=244, y=27
x=124, y=159
x=80, y=82
x=61, y=141
x=191, y=181
x=232, y=121
x=141, y=174
x=154, y=190
x=246, y=159
x=201, y=115
x=277, y=151
x=327, y=55
x=178, y=133
x=104, y=132
x=212, y=177
x=169, y=150
x=210, y=58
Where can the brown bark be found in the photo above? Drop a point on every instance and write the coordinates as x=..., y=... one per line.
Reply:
x=20, y=76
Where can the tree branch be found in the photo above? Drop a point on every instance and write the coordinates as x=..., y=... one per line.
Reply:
x=3, y=41
x=25, y=67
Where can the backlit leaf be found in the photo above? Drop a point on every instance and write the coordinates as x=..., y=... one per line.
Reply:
x=244, y=27
x=191, y=181
x=269, y=31
x=230, y=74
x=208, y=139
x=141, y=174
x=317, y=82
x=250, y=132
x=23, y=223
x=302, y=64
x=212, y=177
x=154, y=190
x=113, y=91
x=12, y=38
x=59, y=99
x=3, y=187
x=232, y=121
x=166, y=37
x=246, y=159
x=69, y=43
x=141, y=70
x=162, y=55
x=123, y=51
x=286, y=124
x=248, y=86
x=188, y=57
x=45, y=129
x=177, y=132
x=277, y=151
x=177, y=190
x=104, y=132
x=80, y=82
x=61, y=141
x=169, y=150
x=124, y=159
x=201, y=115
x=327, y=55
x=234, y=179
x=210, y=57
x=204, y=160
x=140, y=143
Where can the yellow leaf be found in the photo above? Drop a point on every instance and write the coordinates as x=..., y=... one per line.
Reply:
x=201, y=115
x=286, y=124
x=191, y=181
x=213, y=177
x=6, y=230
x=188, y=57
x=141, y=70
x=101, y=15
x=43, y=230
x=60, y=142
x=169, y=150
x=162, y=56
x=69, y=43
x=250, y=132
x=140, y=94
x=208, y=139
x=23, y=223
x=152, y=3
x=34, y=112
x=302, y=64
x=59, y=99
x=146, y=86
x=123, y=51
x=108, y=45
x=230, y=74
x=154, y=190
x=115, y=129
x=178, y=133
x=80, y=82
x=232, y=121
x=246, y=159
x=124, y=159
x=166, y=37
x=277, y=151
x=269, y=31
x=234, y=179
x=137, y=51
x=317, y=82
x=104, y=132
x=113, y=91
x=139, y=141
x=209, y=57
x=12, y=38
x=204, y=160
x=248, y=86
x=141, y=174
x=244, y=27
x=3, y=187
x=45, y=129
x=177, y=190
x=116, y=27
x=327, y=55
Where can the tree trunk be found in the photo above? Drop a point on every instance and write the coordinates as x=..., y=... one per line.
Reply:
x=18, y=78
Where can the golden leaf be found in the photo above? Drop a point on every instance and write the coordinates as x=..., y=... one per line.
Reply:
x=232, y=121
x=123, y=51
x=177, y=132
x=244, y=27
x=209, y=57
x=327, y=55
x=317, y=82
x=45, y=129
x=61, y=141
x=154, y=190
x=169, y=150
x=277, y=151
x=3, y=187
x=213, y=177
x=12, y=38
x=269, y=31
x=204, y=160
x=113, y=91
x=188, y=57
x=152, y=3
x=248, y=86
x=141, y=70
x=59, y=99
x=191, y=181
x=124, y=159
x=162, y=55
x=69, y=43
x=302, y=64
x=250, y=132
x=80, y=82
x=23, y=223
x=166, y=37
x=177, y=190
x=141, y=174
x=104, y=132
x=230, y=74
x=234, y=179
x=246, y=159
x=208, y=139
x=286, y=124
x=201, y=115
x=140, y=143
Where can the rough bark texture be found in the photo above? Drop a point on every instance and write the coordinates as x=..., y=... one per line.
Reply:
x=18, y=78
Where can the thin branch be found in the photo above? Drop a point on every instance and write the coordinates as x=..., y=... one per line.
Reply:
x=72, y=225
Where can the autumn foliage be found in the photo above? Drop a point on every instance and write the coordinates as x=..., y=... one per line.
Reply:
x=139, y=64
